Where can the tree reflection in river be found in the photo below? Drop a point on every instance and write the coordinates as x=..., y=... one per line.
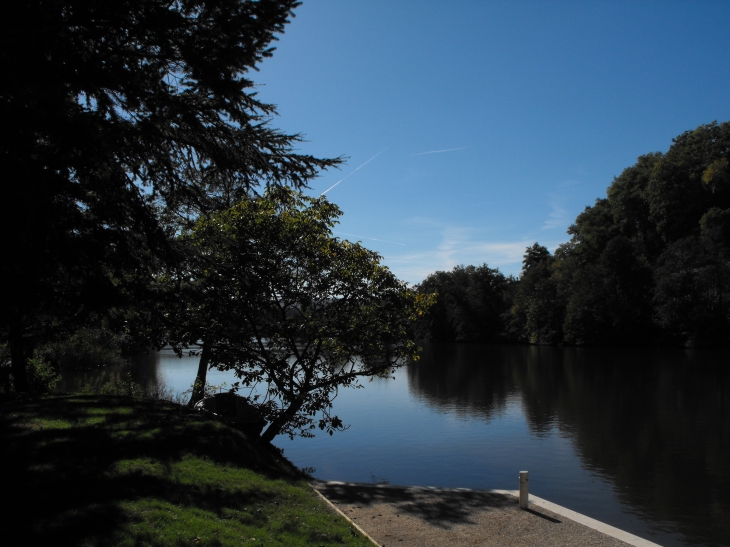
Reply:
x=656, y=423
x=463, y=378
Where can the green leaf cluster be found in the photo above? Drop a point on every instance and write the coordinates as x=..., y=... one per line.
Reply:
x=470, y=304
x=271, y=294
x=650, y=263
x=124, y=122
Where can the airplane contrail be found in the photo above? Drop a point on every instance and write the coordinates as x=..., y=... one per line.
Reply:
x=438, y=151
x=370, y=238
x=353, y=172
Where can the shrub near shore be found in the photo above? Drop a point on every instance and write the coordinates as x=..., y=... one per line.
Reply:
x=95, y=470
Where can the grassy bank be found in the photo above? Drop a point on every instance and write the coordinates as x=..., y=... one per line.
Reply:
x=95, y=470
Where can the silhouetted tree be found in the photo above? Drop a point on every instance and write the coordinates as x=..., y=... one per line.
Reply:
x=285, y=305
x=122, y=122
x=535, y=315
x=469, y=307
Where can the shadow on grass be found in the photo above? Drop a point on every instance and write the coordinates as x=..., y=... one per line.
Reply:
x=64, y=480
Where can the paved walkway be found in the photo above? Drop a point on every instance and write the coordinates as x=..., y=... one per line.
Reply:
x=425, y=517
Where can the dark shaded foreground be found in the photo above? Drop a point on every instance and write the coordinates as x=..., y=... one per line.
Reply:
x=87, y=470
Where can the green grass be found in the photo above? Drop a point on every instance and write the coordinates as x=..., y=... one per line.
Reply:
x=96, y=470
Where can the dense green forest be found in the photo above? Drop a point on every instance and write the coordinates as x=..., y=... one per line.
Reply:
x=649, y=264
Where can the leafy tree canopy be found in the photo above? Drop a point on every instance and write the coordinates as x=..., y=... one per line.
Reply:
x=649, y=264
x=469, y=305
x=124, y=121
x=296, y=313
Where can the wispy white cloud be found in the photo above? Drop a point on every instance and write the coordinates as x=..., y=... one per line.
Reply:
x=448, y=245
x=414, y=267
x=439, y=151
x=455, y=245
x=458, y=246
x=559, y=217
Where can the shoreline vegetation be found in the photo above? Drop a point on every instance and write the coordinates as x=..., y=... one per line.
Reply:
x=648, y=265
x=110, y=470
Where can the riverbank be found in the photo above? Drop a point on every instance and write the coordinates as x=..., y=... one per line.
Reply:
x=100, y=470
x=95, y=470
x=431, y=517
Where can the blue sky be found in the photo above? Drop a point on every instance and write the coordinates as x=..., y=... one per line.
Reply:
x=474, y=128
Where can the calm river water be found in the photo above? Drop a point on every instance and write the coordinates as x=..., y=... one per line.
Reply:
x=639, y=439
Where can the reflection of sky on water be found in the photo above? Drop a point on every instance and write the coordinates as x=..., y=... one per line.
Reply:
x=178, y=373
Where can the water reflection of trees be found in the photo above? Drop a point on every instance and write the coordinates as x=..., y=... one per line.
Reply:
x=656, y=423
x=460, y=378
x=143, y=370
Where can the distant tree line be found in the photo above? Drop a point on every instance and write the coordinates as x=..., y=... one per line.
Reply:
x=649, y=264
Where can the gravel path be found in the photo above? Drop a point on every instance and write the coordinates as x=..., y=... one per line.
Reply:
x=425, y=517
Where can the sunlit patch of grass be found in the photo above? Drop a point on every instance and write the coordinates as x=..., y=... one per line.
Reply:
x=142, y=466
x=42, y=467
x=92, y=420
x=35, y=424
x=128, y=472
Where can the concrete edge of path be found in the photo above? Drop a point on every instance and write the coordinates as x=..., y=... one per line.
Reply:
x=343, y=515
x=589, y=522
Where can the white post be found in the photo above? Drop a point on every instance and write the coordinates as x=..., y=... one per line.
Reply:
x=524, y=488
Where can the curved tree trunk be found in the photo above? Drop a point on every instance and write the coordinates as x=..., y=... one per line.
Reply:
x=200, y=379
x=275, y=426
